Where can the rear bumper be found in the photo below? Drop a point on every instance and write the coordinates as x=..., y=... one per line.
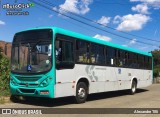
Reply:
x=34, y=92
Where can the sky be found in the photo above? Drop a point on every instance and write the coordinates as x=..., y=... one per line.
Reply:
x=130, y=23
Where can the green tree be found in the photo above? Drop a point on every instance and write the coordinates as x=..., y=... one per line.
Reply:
x=4, y=72
x=156, y=59
x=156, y=55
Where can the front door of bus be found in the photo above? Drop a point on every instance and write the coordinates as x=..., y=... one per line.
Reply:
x=64, y=67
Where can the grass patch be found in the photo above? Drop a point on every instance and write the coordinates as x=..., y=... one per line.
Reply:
x=2, y=100
x=4, y=96
x=5, y=93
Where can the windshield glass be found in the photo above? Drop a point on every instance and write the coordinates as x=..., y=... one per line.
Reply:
x=31, y=51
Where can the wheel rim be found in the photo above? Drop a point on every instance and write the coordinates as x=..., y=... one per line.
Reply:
x=81, y=92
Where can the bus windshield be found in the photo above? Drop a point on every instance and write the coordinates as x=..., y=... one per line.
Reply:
x=32, y=51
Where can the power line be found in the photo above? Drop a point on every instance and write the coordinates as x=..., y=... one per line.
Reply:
x=87, y=23
x=53, y=5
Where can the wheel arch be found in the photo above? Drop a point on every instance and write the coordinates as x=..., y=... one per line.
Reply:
x=134, y=79
x=83, y=79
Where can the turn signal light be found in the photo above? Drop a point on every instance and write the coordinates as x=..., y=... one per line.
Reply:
x=44, y=92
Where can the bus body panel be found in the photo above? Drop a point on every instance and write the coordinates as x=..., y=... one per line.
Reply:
x=101, y=79
x=65, y=79
x=34, y=92
x=29, y=85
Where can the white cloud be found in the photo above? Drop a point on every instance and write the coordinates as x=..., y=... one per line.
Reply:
x=147, y=1
x=75, y=6
x=153, y=3
x=55, y=8
x=117, y=19
x=132, y=42
x=141, y=8
x=2, y=22
x=102, y=37
x=104, y=20
x=50, y=16
x=132, y=22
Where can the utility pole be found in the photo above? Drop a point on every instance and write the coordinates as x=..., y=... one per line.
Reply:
x=6, y=49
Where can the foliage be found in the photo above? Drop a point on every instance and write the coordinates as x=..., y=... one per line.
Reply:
x=156, y=59
x=156, y=56
x=156, y=73
x=4, y=73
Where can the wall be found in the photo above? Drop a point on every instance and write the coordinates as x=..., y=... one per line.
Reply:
x=6, y=46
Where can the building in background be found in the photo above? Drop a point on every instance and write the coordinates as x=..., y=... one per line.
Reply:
x=6, y=48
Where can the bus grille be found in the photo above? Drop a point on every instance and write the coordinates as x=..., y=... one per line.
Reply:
x=27, y=90
x=31, y=79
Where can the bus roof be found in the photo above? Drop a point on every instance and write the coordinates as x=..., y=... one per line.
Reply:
x=91, y=39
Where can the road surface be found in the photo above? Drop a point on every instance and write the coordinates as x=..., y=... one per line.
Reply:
x=144, y=98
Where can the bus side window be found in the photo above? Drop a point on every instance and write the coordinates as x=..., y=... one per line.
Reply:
x=97, y=54
x=58, y=47
x=121, y=59
x=82, y=51
x=110, y=56
x=64, y=54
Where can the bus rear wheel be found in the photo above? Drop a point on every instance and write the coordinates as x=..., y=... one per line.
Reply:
x=133, y=87
x=81, y=92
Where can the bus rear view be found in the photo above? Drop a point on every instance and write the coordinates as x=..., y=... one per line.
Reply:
x=31, y=64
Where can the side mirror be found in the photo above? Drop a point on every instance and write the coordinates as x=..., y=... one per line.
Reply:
x=65, y=65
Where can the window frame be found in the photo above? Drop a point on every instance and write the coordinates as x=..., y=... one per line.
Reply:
x=103, y=53
x=65, y=38
x=109, y=52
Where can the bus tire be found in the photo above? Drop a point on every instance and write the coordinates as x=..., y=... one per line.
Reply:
x=14, y=98
x=81, y=92
x=133, y=87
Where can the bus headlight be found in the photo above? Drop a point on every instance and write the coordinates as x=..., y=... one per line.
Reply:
x=45, y=82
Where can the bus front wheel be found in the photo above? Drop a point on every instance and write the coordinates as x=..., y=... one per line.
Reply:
x=81, y=92
x=133, y=87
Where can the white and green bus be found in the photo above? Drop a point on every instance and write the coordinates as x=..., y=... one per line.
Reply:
x=53, y=62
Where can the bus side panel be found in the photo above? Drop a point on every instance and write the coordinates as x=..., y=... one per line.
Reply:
x=144, y=77
x=148, y=77
x=123, y=79
x=65, y=79
x=95, y=75
x=111, y=83
x=101, y=79
x=139, y=75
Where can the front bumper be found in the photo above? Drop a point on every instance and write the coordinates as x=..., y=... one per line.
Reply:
x=34, y=92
